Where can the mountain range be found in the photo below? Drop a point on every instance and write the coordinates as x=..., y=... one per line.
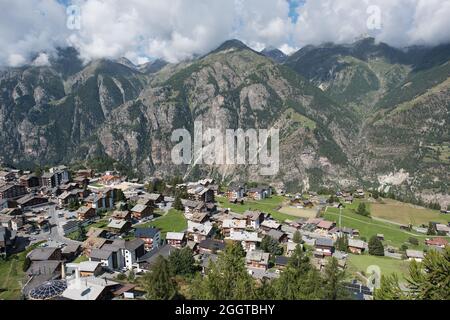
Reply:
x=362, y=114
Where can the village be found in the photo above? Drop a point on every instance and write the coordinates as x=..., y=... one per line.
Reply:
x=86, y=235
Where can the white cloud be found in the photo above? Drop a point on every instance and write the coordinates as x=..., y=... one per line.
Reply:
x=403, y=22
x=178, y=29
x=16, y=60
x=41, y=60
x=29, y=27
x=287, y=49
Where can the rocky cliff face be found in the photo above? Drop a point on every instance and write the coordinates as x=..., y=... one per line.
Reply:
x=232, y=88
x=47, y=114
x=402, y=101
x=347, y=115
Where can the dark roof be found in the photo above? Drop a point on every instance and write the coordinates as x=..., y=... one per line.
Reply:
x=150, y=257
x=42, y=254
x=190, y=203
x=134, y=244
x=43, y=267
x=281, y=260
x=29, y=197
x=275, y=234
x=235, y=188
x=71, y=248
x=7, y=186
x=146, y=232
x=124, y=288
x=212, y=244
x=70, y=224
x=100, y=254
x=111, y=247
x=257, y=190
x=324, y=242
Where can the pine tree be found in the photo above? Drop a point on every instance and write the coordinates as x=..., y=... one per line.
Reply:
x=270, y=245
x=334, y=277
x=297, y=238
x=265, y=291
x=299, y=260
x=226, y=279
x=342, y=243
x=376, y=247
x=375, y=194
x=362, y=209
x=158, y=284
x=119, y=196
x=131, y=276
x=429, y=280
x=26, y=264
x=431, y=229
x=182, y=262
x=389, y=289
x=177, y=204
x=300, y=280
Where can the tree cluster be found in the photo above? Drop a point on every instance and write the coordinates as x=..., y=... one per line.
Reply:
x=272, y=246
x=429, y=280
x=228, y=279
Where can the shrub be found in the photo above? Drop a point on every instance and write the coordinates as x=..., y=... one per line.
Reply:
x=121, y=276
x=413, y=241
x=26, y=264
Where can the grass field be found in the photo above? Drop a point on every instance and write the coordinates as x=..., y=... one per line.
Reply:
x=173, y=221
x=81, y=258
x=96, y=185
x=11, y=275
x=270, y=205
x=302, y=213
x=359, y=263
x=369, y=227
x=405, y=213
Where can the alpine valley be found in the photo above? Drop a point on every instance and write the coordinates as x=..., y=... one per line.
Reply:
x=362, y=114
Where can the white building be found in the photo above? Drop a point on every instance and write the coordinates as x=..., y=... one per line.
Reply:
x=249, y=240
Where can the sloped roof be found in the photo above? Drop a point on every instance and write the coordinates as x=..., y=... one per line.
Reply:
x=324, y=242
x=175, y=236
x=324, y=224
x=146, y=232
x=41, y=254
x=139, y=208
x=356, y=243
x=117, y=224
x=101, y=254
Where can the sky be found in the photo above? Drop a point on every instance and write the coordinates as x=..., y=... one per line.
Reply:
x=174, y=30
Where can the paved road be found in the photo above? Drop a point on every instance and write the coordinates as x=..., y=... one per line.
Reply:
x=55, y=233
